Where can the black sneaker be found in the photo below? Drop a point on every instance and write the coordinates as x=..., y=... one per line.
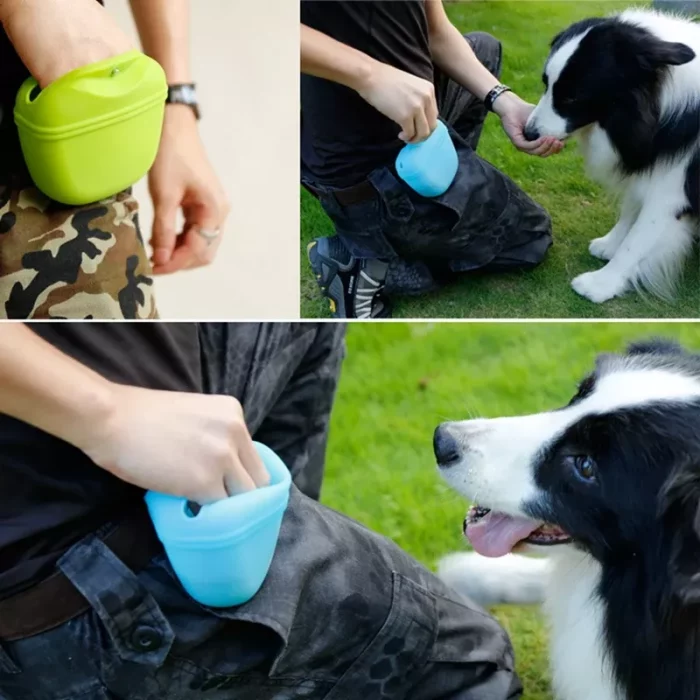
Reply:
x=354, y=288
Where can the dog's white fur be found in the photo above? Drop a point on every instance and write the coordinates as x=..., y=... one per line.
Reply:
x=648, y=245
x=564, y=583
x=496, y=470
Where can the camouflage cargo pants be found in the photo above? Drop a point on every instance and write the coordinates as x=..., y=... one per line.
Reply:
x=76, y=263
x=344, y=614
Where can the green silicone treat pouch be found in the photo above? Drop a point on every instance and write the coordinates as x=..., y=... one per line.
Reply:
x=95, y=131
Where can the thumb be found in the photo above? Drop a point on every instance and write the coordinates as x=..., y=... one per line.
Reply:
x=164, y=233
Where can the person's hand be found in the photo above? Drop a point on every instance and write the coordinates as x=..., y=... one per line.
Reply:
x=183, y=179
x=404, y=98
x=53, y=37
x=514, y=113
x=189, y=445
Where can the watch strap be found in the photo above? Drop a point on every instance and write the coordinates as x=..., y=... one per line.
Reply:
x=494, y=95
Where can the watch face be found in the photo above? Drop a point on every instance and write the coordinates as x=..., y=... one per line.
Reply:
x=187, y=93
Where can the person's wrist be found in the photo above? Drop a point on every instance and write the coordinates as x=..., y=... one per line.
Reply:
x=363, y=74
x=98, y=406
x=179, y=114
x=506, y=102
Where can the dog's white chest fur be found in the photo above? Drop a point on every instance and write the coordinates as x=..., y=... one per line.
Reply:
x=602, y=161
x=580, y=671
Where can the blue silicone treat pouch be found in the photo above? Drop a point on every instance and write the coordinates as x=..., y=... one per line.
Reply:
x=429, y=167
x=222, y=554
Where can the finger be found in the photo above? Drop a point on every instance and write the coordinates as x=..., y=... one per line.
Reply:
x=408, y=130
x=183, y=257
x=204, y=217
x=253, y=464
x=432, y=114
x=237, y=479
x=542, y=147
x=201, y=250
x=520, y=142
x=552, y=147
x=196, y=250
x=545, y=150
x=216, y=493
x=164, y=235
x=423, y=130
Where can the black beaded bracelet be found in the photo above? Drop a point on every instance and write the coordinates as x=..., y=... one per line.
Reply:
x=494, y=95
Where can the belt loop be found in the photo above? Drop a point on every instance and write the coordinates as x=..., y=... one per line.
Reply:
x=135, y=623
x=392, y=193
x=7, y=665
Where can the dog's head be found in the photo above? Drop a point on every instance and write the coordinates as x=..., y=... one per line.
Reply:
x=595, y=67
x=616, y=468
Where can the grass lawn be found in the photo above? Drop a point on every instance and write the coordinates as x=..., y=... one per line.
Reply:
x=400, y=380
x=580, y=210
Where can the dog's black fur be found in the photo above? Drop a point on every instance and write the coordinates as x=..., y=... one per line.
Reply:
x=615, y=79
x=640, y=518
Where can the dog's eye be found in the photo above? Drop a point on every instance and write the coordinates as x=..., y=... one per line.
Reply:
x=584, y=466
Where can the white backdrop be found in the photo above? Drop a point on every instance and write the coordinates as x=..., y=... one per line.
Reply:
x=245, y=57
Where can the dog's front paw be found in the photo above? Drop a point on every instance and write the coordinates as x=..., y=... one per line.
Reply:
x=602, y=248
x=599, y=286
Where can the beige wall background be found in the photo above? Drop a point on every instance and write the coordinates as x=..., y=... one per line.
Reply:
x=245, y=57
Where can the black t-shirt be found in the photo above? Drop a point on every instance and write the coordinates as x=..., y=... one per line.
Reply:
x=343, y=138
x=51, y=494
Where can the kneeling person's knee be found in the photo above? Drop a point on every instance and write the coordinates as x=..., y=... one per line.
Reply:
x=488, y=50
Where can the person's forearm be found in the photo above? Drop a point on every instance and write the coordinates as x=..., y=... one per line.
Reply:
x=453, y=55
x=47, y=389
x=53, y=37
x=163, y=27
x=324, y=57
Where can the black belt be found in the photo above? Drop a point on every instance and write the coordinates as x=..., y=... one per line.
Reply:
x=55, y=600
x=348, y=196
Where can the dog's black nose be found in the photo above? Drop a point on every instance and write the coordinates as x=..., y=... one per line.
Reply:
x=531, y=133
x=446, y=447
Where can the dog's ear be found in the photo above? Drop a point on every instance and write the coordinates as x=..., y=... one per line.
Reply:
x=679, y=509
x=670, y=53
x=638, y=49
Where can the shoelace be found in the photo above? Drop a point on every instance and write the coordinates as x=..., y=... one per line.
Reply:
x=364, y=296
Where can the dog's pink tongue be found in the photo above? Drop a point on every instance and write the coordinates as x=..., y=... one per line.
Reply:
x=496, y=534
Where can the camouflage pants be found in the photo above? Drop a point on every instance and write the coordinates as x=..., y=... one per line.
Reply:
x=344, y=614
x=77, y=263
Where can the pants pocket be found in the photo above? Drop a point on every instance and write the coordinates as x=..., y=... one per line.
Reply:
x=388, y=666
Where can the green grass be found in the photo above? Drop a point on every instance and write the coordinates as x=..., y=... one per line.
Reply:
x=579, y=208
x=400, y=380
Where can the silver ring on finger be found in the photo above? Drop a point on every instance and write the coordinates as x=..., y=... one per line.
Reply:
x=209, y=235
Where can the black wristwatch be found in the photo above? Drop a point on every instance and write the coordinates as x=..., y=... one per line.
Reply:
x=494, y=95
x=184, y=94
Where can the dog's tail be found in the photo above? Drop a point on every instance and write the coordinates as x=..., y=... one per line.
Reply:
x=512, y=579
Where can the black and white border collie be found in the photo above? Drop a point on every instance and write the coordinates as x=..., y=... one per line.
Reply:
x=609, y=488
x=628, y=88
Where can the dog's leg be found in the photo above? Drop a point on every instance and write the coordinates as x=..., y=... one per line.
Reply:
x=651, y=256
x=606, y=246
x=512, y=579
